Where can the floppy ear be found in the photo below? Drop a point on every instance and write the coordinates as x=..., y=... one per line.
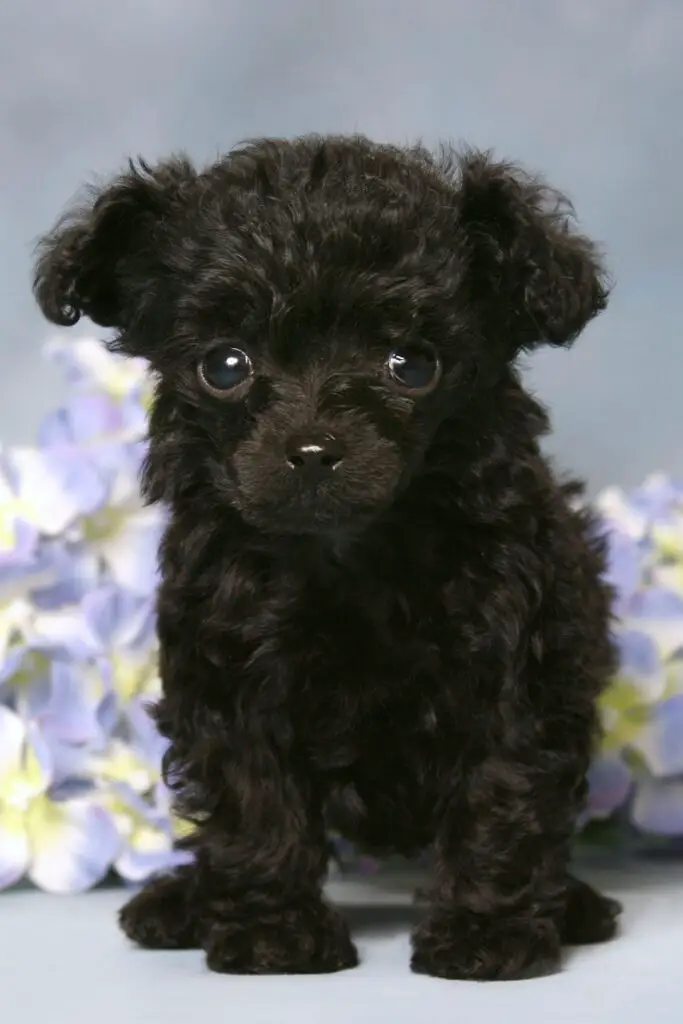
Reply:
x=535, y=278
x=99, y=258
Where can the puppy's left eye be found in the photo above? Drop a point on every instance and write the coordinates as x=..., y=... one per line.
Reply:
x=415, y=367
x=223, y=369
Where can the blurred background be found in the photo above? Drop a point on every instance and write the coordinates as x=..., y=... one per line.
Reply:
x=587, y=91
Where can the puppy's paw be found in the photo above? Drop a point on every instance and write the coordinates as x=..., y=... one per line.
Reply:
x=310, y=938
x=450, y=945
x=589, y=916
x=163, y=914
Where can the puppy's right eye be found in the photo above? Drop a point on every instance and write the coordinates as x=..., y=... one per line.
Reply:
x=223, y=369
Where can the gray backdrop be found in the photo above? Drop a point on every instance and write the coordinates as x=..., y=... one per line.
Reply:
x=588, y=91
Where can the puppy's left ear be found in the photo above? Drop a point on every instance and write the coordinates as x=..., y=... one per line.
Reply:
x=533, y=276
x=103, y=257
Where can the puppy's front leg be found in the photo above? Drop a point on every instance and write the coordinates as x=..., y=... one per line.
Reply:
x=261, y=861
x=535, y=662
x=253, y=897
x=500, y=868
x=503, y=901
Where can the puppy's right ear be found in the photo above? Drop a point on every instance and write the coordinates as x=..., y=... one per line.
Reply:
x=101, y=257
x=535, y=278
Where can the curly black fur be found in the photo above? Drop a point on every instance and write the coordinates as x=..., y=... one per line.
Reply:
x=411, y=648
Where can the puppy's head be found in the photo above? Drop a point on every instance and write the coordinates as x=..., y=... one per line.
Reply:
x=315, y=310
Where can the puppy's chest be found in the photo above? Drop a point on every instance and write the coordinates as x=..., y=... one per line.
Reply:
x=349, y=653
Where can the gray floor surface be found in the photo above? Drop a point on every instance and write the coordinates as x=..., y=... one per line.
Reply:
x=63, y=960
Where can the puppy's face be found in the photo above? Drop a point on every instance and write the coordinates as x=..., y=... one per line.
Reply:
x=315, y=310
x=303, y=426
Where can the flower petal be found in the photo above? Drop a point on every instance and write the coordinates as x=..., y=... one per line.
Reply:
x=131, y=551
x=56, y=488
x=87, y=361
x=73, y=844
x=31, y=687
x=657, y=604
x=659, y=612
x=135, y=674
x=110, y=612
x=668, y=539
x=108, y=713
x=149, y=852
x=623, y=713
x=73, y=570
x=37, y=768
x=617, y=511
x=657, y=498
x=658, y=807
x=661, y=740
x=64, y=633
x=25, y=764
x=145, y=738
x=120, y=462
x=71, y=714
x=668, y=574
x=638, y=653
x=119, y=764
x=624, y=568
x=134, y=409
x=14, y=846
x=70, y=762
x=12, y=738
x=86, y=418
x=641, y=663
x=610, y=783
x=11, y=662
x=15, y=616
x=18, y=542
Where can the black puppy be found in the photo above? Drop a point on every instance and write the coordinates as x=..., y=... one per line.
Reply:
x=379, y=610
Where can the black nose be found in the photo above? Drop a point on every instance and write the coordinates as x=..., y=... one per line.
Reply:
x=314, y=453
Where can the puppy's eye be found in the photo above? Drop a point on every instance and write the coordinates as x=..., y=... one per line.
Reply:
x=415, y=367
x=223, y=369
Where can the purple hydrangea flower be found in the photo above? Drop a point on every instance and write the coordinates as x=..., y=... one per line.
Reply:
x=610, y=783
